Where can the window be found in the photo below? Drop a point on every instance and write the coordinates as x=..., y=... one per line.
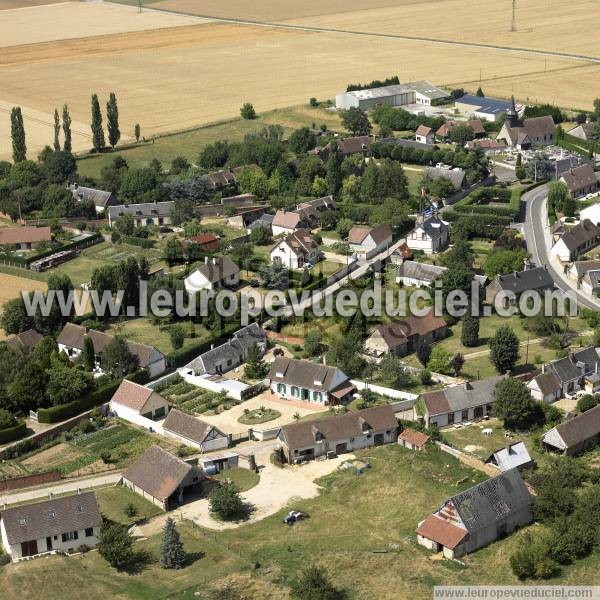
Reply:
x=281, y=388
x=295, y=391
x=69, y=536
x=465, y=415
x=317, y=396
x=450, y=418
x=89, y=532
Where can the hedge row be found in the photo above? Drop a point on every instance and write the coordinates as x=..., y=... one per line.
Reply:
x=499, y=211
x=55, y=414
x=138, y=241
x=13, y=433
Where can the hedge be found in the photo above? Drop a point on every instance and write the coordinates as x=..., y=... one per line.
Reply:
x=55, y=414
x=499, y=211
x=13, y=433
x=138, y=241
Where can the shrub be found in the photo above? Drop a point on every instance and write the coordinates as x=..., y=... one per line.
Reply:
x=131, y=510
x=226, y=501
x=13, y=433
x=247, y=111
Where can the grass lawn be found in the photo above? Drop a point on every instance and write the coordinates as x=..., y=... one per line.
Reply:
x=143, y=330
x=400, y=490
x=244, y=479
x=190, y=143
x=254, y=417
x=114, y=500
x=414, y=174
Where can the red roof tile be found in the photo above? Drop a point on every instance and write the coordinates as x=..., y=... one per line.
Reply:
x=441, y=531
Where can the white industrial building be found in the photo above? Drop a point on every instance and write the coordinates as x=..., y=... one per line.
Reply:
x=416, y=92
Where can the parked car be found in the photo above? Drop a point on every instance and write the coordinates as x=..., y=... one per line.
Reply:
x=293, y=516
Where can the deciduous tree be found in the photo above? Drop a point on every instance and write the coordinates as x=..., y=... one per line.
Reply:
x=504, y=349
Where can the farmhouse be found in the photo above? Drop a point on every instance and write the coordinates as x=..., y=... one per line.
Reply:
x=162, y=478
x=416, y=92
x=304, y=380
x=366, y=242
x=26, y=340
x=194, y=432
x=359, y=144
x=296, y=250
x=71, y=340
x=231, y=354
x=147, y=213
x=545, y=387
x=591, y=213
x=581, y=181
x=469, y=401
x=100, y=198
x=351, y=431
x=59, y=525
x=478, y=516
x=487, y=109
x=265, y=221
x=216, y=273
x=580, y=267
x=537, y=131
x=418, y=274
x=583, y=131
x=245, y=217
x=429, y=235
x=513, y=456
x=225, y=177
x=537, y=279
x=575, y=435
x=579, y=240
x=571, y=369
x=491, y=146
x=24, y=238
x=132, y=401
x=412, y=439
x=207, y=242
x=424, y=135
x=443, y=132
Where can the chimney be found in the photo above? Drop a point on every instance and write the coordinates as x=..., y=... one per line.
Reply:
x=543, y=368
x=206, y=260
x=214, y=260
x=212, y=346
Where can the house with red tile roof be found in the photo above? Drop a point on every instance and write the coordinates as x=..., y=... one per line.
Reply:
x=132, y=400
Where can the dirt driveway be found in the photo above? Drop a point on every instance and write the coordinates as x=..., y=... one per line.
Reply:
x=227, y=421
x=276, y=488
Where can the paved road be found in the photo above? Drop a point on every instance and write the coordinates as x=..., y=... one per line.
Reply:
x=537, y=234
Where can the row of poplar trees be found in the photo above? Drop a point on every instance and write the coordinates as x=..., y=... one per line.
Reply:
x=17, y=128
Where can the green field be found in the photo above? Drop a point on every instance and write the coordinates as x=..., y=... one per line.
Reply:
x=114, y=500
x=190, y=143
x=361, y=529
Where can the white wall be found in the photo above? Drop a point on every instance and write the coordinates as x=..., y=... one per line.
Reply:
x=134, y=417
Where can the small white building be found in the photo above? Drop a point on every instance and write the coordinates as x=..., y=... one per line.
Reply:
x=413, y=273
x=194, y=432
x=59, y=525
x=576, y=241
x=545, y=387
x=591, y=213
x=132, y=401
x=366, y=242
x=219, y=272
x=425, y=135
x=296, y=250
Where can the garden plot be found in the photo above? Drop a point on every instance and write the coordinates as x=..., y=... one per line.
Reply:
x=194, y=400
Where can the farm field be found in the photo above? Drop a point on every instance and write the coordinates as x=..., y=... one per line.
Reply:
x=11, y=287
x=149, y=69
x=392, y=564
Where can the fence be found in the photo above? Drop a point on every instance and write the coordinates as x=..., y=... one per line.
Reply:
x=162, y=380
x=385, y=391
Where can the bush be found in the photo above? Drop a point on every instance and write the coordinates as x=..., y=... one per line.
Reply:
x=13, y=433
x=247, y=111
x=131, y=510
x=138, y=241
x=226, y=501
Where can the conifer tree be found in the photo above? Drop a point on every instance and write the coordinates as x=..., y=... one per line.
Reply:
x=56, y=130
x=97, y=130
x=256, y=367
x=172, y=554
x=88, y=354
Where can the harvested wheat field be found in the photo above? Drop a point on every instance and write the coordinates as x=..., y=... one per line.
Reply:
x=71, y=20
x=11, y=287
x=179, y=77
x=12, y=4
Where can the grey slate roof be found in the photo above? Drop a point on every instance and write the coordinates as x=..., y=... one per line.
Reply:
x=421, y=271
x=146, y=209
x=434, y=226
x=307, y=374
x=52, y=517
x=456, y=175
x=530, y=279
x=580, y=177
x=485, y=105
x=99, y=197
x=576, y=365
x=578, y=429
x=512, y=457
x=472, y=394
x=584, y=232
x=235, y=349
x=492, y=500
x=187, y=426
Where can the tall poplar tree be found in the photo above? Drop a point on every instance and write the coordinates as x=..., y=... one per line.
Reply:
x=97, y=130
x=112, y=120
x=66, y=124
x=56, y=130
x=17, y=132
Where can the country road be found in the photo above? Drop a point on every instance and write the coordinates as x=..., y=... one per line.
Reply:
x=537, y=235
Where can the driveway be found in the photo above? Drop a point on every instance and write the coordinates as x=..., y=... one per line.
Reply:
x=227, y=421
x=276, y=489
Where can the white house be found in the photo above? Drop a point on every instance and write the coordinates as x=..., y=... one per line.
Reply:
x=194, y=432
x=418, y=274
x=24, y=238
x=214, y=274
x=366, y=242
x=545, y=387
x=58, y=525
x=576, y=241
x=429, y=235
x=425, y=135
x=147, y=213
x=591, y=213
x=296, y=250
x=132, y=401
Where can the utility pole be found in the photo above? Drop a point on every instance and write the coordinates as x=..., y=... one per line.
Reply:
x=140, y=5
x=513, y=24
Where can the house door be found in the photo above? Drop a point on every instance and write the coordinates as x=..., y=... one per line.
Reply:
x=29, y=548
x=49, y=543
x=341, y=448
x=305, y=394
x=379, y=439
x=478, y=414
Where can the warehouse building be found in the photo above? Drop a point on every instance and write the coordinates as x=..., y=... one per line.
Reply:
x=415, y=92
